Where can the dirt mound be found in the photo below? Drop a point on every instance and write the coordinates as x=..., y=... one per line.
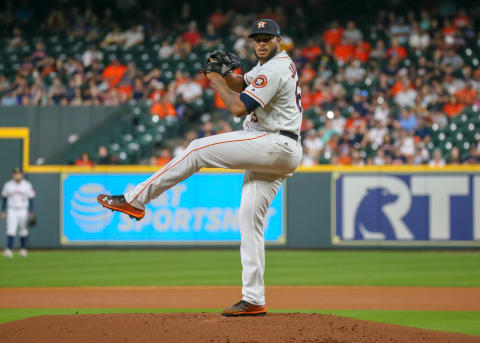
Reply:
x=189, y=327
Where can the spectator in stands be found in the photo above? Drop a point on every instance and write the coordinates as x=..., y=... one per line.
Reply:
x=211, y=39
x=56, y=21
x=139, y=90
x=102, y=155
x=189, y=137
x=376, y=134
x=162, y=107
x=343, y=51
x=218, y=19
x=77, y=99
x=164, y=157
x=223, y=127
x=344, y=157
x=166, y=51
x=466, y=95
x=378, y=51
x=422, y=131
x=56, y=92
x=396, y=50
x=287, y=44
x=133, y=36
x=308, y=74
x=453, y=107
x=17, y=41
x=399, y=31
x=92, y=55
x=408, y=120
x=421, y=154
x=189, y=90
x=357, y=158
x=379, y=159
x=453, y=59
x=332, y=36
x=312, y=146
x=206, y=130
x=114, y=37
x=181, y=48
x=37, y=93
x=311, y=51
x=192, y=36
x=39, y=57
x=84, y=160
x=406, y=95
x=406, y=145
x=354, y=71
x=352, y=34
x=454, y=157
x=114, y=72
x=241, y=43
x=437, y=160
x=362, y=51
x=10, y=98
x=419, y=39
x=4, y=84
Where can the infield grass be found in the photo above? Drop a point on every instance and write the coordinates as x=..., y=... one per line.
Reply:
x=222, y=267
x=461, y=322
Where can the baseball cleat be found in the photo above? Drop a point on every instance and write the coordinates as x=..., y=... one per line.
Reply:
x=8, y=253
x=244, y=308
x=118, y=203
x=23, y=252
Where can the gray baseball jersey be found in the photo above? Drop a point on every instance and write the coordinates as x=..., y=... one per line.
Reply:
x=274, y=86
x=17, y=194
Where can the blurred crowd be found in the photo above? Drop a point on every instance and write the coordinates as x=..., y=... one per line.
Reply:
x=408, y=77
x=374, y=93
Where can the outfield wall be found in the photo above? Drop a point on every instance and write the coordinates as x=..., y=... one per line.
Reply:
x=53, y=127
x=315, y=209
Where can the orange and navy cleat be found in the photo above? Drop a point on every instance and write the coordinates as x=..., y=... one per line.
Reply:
x=118, y=203
x=244, y=308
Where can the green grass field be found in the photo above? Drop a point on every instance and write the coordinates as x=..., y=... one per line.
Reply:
x=222, y=267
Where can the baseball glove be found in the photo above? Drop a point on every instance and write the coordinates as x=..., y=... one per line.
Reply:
x=222, y=62
x=32, y=220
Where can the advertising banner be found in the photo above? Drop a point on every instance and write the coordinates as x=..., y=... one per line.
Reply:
x=202, y=209
x=386, y=209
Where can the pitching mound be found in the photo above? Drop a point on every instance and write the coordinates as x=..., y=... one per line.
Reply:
x=188, y=327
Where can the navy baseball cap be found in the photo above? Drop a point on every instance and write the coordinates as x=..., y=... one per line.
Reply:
x=266, y=26
x=17, y=170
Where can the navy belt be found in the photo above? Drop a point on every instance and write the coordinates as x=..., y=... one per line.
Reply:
x=289, y=134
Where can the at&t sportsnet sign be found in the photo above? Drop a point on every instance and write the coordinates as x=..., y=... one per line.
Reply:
x=384, y=209
x=202, y=209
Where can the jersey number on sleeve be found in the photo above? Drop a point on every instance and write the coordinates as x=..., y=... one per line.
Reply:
x=298, y=96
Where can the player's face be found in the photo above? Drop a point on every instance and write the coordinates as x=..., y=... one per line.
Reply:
x=265, y=46
x=17, y=177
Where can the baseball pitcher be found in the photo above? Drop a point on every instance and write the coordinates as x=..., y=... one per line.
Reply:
x=268, y=149
x=17, y=209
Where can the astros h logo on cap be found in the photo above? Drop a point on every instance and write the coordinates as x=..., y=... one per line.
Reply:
x=265, y=26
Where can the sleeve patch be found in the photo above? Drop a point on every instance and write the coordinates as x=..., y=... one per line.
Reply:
x=260, y=81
